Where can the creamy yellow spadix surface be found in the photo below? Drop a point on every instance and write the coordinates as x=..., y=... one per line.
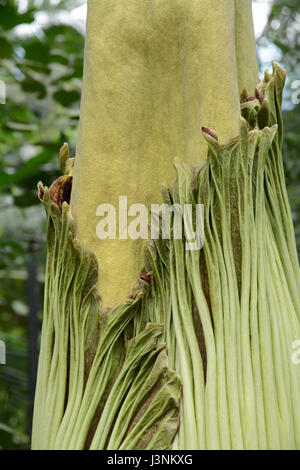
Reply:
x=155, y=72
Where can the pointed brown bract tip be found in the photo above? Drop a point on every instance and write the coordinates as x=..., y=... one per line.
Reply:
x=146, y=277
x=60, y=190
x=64, y=155
x=244, y=95
x=208, y=131
x=267, y=76
x=41, y=191
x=259, y=96
x=64, y=150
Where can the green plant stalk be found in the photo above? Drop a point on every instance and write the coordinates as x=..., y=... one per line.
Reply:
x=228, y=295
x=254, y=328
x=215, y=281
x=185, y=367
x=250, y=431
x=292, y=331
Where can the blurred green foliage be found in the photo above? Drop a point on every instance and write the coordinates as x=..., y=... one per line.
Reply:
x=41, y=62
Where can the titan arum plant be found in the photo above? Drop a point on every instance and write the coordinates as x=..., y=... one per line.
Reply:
x=184, y=349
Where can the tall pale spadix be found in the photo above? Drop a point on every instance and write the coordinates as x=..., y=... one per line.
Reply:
x=155, y=72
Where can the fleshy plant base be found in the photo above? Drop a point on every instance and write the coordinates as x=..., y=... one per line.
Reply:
x=229, y=314
x=101, y=384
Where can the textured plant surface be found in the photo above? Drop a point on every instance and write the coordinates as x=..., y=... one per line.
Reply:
x=224, y=317
x=155, y=72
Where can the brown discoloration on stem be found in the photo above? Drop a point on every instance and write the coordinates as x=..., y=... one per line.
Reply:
x=146, y=277
x=60, y=190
